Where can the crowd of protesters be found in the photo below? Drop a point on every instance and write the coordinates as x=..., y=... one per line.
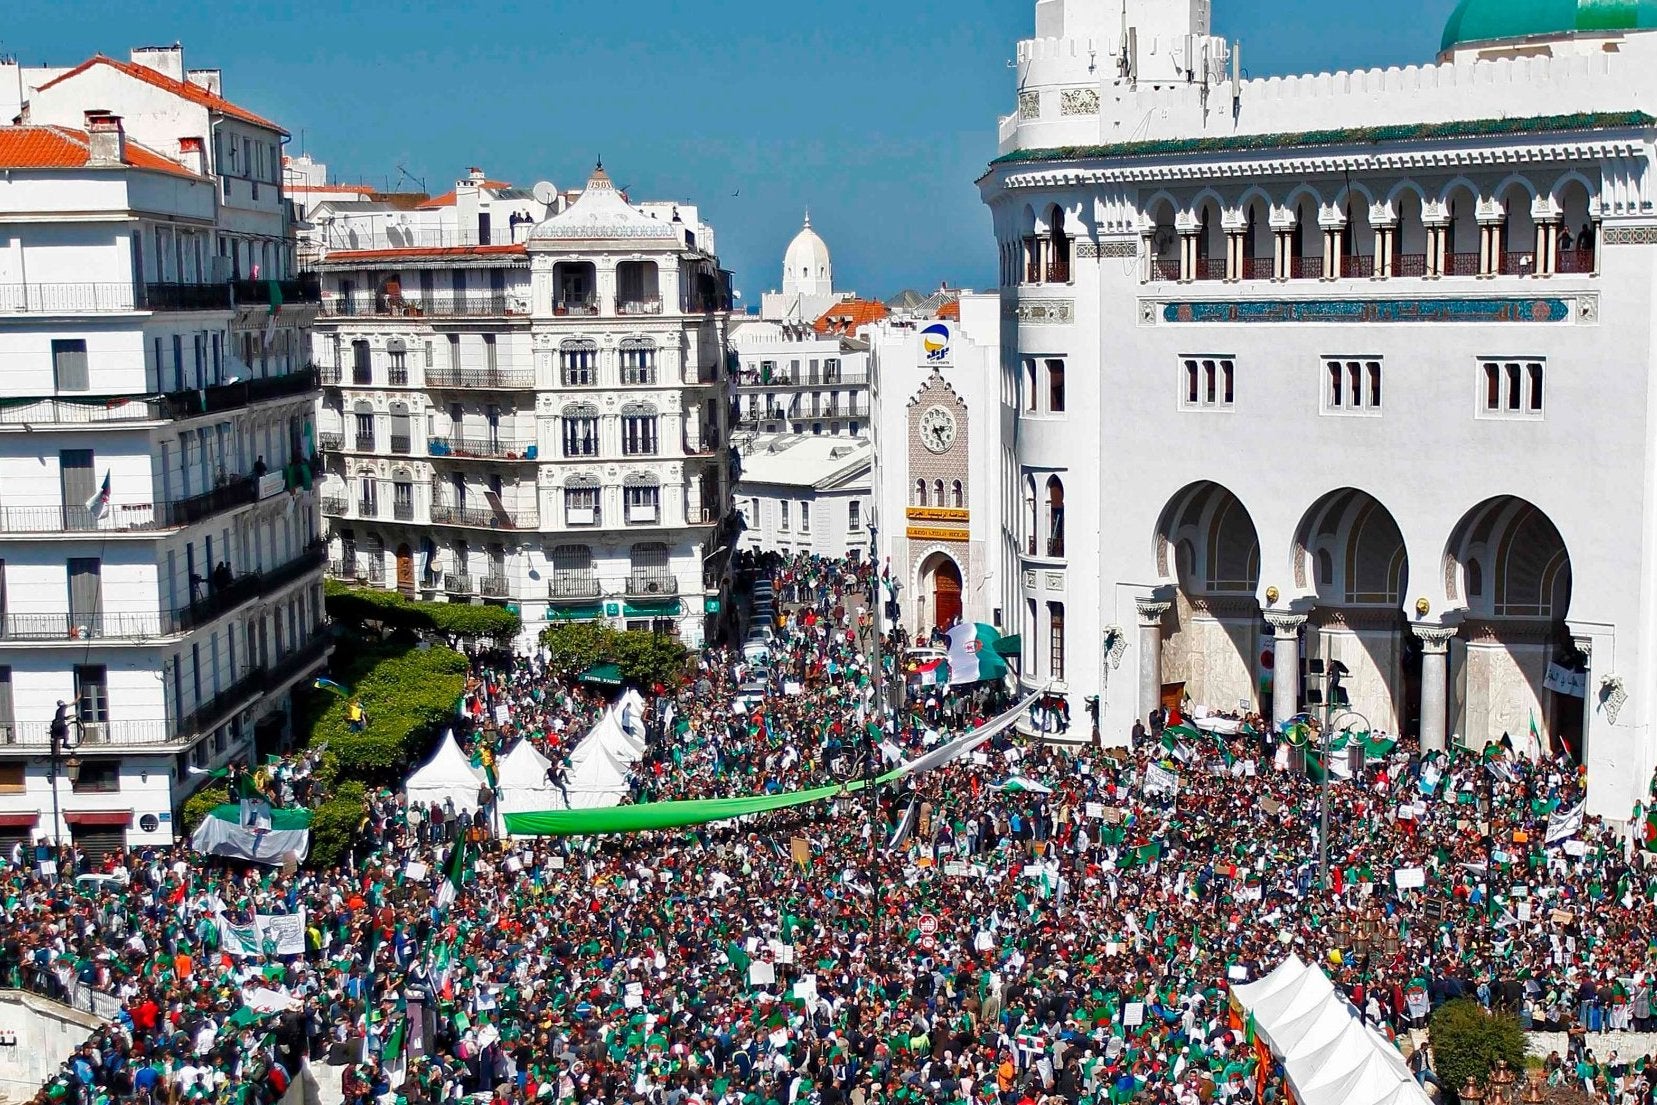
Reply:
x=1026, y=925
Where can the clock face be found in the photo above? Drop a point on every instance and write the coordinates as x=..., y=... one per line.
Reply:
x=938, y=429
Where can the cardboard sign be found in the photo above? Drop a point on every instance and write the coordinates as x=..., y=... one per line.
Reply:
x=1561, y=916
x=1133, y=1014
x=1409, y=878
x=1096, y=809
x=761, y=974
x=1237, y=973
x=799, y=850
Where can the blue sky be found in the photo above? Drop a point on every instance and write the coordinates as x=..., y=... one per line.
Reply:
x=878, y=116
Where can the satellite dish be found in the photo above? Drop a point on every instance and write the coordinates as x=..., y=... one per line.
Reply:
x=545, y=193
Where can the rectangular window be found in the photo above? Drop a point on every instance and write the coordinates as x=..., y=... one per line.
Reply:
x=638, y=365
x=784, y=526
x=1352, y=387
x=644, y=504
x=12, y=778
x=454, y=352
x=1055, y=387
x=577, y=364
x=1511, y=389
x=69, y=364
x=1055, y=640
x=92, y=693
x=365, y=433
x=1207, y=383
x=805, y=517
x=86, y=595
x=580, y=435
x=854, y=516
x=638, y=435
x=581, y=506
x=1029, y=385
x=98, y=777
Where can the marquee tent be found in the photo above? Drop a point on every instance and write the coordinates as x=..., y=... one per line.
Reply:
x=1330, y=1056
x=447, y=775
x=522, y=775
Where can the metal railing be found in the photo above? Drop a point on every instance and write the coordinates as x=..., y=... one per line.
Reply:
x=1165, y=270
x=300, y=659
x=486, y=305
x=70, y=298
x=304, y=288
x=191, y=402
x=1463, y=264
x=457, y=583
x=1058, y=272
x=1518, y=264
x=83, y=626
x=402, y=511
x=575, y=307
x=1575, y=261
x=128, y=517
x=80, y=412
x=571, y=586
x=336, y=505
x=217, y=602
x=1259, y=268
x=401, y=443
x=481, y=448
x=313, y=557
x=495, y=587
x=1358, y=266
x=652, y=582
x=1211, y=268
x=504, y=379
x=187, y=297
x=638, y=307
x=1305, y=268
x=93, y=734
x=330, y=442
x=368, y=508
x=363, y=443
x=484, y=518
x=1409, y=264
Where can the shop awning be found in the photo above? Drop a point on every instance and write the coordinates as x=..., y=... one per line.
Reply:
x=604, y=675
x=102, y=818
x=19, y=820
x=1010, y=646
x=574, y=613
x=662, y=608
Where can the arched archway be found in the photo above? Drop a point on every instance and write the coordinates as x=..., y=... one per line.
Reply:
x=1506, y=568
x=939, y=596
x=1208, y=550
x=1349, y=555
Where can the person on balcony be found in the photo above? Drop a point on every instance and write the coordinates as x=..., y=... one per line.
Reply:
x=1565, y=239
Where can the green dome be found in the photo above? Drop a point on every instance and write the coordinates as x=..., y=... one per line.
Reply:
x=1488, y=20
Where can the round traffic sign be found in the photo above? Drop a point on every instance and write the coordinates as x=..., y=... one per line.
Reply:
x=928, y=944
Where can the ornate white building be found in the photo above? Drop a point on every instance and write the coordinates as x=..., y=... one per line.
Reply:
x=807, y=281
x=526, y=404
x=1354, y=366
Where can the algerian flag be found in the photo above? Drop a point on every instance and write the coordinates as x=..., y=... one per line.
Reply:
x=455, y=879
x=972, y=655
x=442, y=966
x=1537, y=744
x=1019, y=784
x=223, y=833
x=392, y=1056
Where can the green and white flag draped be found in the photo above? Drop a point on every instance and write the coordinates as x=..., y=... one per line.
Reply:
x=676, y=815
x=266, y=840
x=269, y=935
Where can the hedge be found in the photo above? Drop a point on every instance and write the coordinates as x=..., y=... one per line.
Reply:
x=336, y=824
x=408, y=693
x=357, y=606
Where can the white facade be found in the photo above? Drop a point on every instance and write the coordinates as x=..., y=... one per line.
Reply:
x=790, y=378
x=174, y=615
x=802, y=493
x=533, y=416
x=807, y=281
x=1336, y=393
x=941, y=463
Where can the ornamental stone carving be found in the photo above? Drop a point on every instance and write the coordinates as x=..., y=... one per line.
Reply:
x=1435, y=639
x=1630, y=235
x=1029, y=105
x=1285, y=624
x=1126, y=249
x=1613, y=696
x=1116, y=644
x=1038, y=312
x=1055, y=581
x=1152, y=611
x=1587, y=308
x=1079, y=101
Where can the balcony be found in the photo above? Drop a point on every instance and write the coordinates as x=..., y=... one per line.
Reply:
x=1409, y=264
x=1462, y=264
x=396, y=376
x=639, y=307
x=402, y=511
x=1058, y=272
x=300, y=661
x=495, y=587
x=187, y=297
x=193, y=402
x=457, y=583
x=1358, y=266
x=484, y=518
x=575, y=307
x=213, y=605
x=368, y=508
x=332, y=376
x=363, y=443
x=482, y=448
x=1259, y=268
x=98, y=626
x=66, y=299
x=335, y=505
x=485, y=305
x=1211, y=268
x=573, y=585
x=129, y=517
x=330, y=442
x=80, y=412
x=654, y=581
x=1305, y=268
x=401, y=444
x=1576, y=261
x=1165, y=270
x=304, y=288
x=307, y=562
x=481, y=379
x=1518, y=264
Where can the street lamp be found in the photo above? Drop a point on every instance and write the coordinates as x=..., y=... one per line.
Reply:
x=61, y=745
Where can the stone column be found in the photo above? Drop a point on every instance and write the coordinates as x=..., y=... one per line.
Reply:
x=1151, y=612
x=1285, y=663
x=1435, y=684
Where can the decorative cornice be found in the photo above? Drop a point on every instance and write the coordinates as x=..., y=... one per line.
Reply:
x=1038, y=312
x=1509, y=631
x=1225, y=606
x=1358, y=617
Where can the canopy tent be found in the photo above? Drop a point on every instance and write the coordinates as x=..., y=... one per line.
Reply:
x=1330, y=1057
x=448, y=775
x=522, y=777
x=599, y=766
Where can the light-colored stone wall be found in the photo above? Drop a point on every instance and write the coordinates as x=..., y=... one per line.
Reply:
x=46, y=1033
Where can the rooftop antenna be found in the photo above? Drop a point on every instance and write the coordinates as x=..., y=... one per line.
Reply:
x=404, y=174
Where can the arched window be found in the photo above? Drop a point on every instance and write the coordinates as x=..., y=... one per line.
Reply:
x=578, y=363
x=1032, y=526
x=642, y=496
x=580, y=430
x=1326, y=568
x=638, y=362
x=650, y=571
x=920, y=492
x=572, y=572
x=1475, y=580
x=956, y=495
x=1055, y=516
x=938, y=492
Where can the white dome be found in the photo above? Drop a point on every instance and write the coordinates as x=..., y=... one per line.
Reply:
x=807, y=268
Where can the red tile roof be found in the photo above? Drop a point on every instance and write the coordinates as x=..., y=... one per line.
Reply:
x=846, y=316
x=67, y=148
x=950, y=310
x=338, y=255
x=193, y=93
x=447, y=199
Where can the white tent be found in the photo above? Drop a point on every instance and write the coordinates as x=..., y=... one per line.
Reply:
x=522, y=774
x=1330, y=1056
x=447, y=775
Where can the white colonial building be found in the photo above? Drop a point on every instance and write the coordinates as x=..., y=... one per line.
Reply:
x=1355, y=366
x=526, y=403
x=803, y=493
x=941, y=464
x=160, y=561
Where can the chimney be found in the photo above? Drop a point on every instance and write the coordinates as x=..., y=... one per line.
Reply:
x=192, y=152
x=166, y=60
x=211, y=80
x=107, y=141
x=476, y=175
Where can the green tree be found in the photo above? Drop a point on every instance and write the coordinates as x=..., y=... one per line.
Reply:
x=577, y=646
x=361, y=607
x=649, y=658
x=336, y=825
x=202, y=803
x=1467, y=1041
